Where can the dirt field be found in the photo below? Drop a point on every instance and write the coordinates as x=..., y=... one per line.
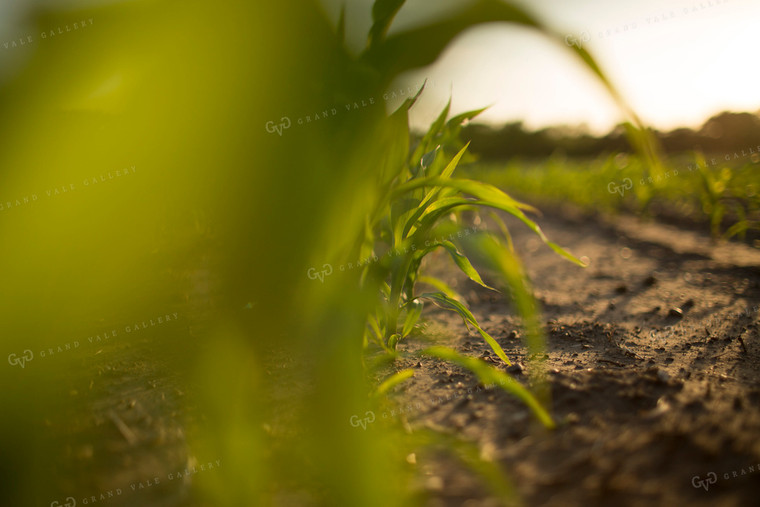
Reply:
x=654, y=368
x=653, y=357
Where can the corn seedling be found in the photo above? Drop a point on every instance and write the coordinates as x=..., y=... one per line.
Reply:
x=419, y=200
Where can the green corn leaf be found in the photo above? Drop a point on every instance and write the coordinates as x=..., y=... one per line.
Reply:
x=441, y=286
x=394, y=56
x=444, y=206
x=453, y=128
x=504, y=230
x=463, y=263
x=431, y=195
x=400, y=210
x=413, y=312
x=493, y=197
x=442, y=203
x=738, y=228
x=383, y=12
x=489, y=375
x=428, y=158
x=374, y=326
x=393, y=381
x=385, y=289
x=487, y=250
x=408, y=103
x=433, y=131
x=393, y=138
x=452, y=304
x=449, y=170
x=482, y=191
x=456, y=121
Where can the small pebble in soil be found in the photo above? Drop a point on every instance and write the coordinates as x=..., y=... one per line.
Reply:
x=572, y=418
x=512, y=335
x=515, y=369
x=675, y=312
x=663, y=405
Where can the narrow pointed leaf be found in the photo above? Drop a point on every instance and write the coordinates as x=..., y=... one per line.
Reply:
x=413, y=312
x=463, y=263
x=393, y=381
x=393, y=55
x=383, y=12
x=497, y=198
x=441, y=286
x=432, y=132
x=446, y=302
x=489, y=375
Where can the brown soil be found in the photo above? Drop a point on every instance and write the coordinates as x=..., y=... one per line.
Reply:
x=654, y=370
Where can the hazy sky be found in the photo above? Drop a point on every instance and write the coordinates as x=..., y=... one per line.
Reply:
x=678, y=62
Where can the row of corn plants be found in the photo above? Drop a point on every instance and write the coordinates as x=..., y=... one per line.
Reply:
x=722, y=195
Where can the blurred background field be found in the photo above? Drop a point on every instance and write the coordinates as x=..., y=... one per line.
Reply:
x=709, y=181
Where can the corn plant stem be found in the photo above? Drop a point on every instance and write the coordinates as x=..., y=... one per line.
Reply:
x=395, y=299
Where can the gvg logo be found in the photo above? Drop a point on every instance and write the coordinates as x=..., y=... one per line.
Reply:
x=70, y=502
x=273, y=127
x=572, y=40
x=620, y=189
x=369, y=418
x=14, y=360
x=313, y=274
x=698, y=482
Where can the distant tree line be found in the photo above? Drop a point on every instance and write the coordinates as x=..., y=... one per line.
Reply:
x=724, y=132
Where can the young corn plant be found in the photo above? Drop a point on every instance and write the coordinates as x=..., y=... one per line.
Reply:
x=418, y=214
x=723, y=195
x=417, y=197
